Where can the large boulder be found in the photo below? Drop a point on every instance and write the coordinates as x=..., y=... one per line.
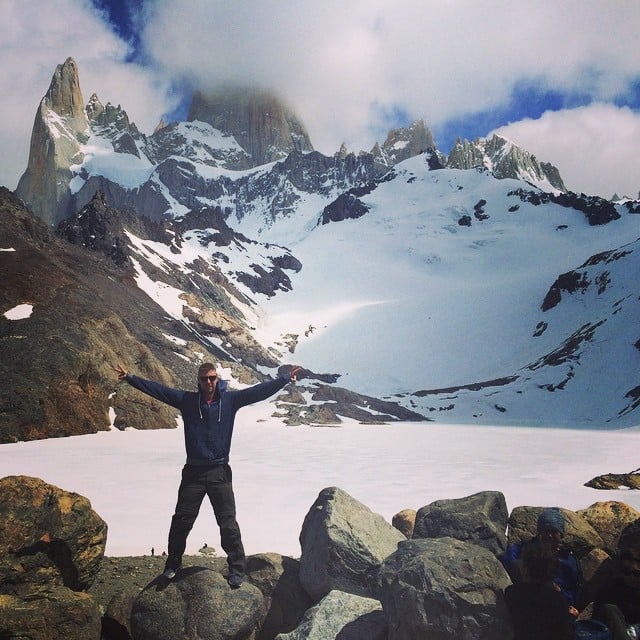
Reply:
x=341, y=615
x=480, y=518
x=48, y=536
x=57, y=613
x=579, y=535
x=197, y=605
x=442, y=588
x=609, y=520
x=278, y=577
x=343, y=544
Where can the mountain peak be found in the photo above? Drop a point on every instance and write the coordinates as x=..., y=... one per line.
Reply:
x=64, y=96
x=403, y=143
x=59, y=128
x=261, y=123
x=504, y=159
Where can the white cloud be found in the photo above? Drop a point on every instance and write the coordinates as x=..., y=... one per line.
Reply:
x=345, y=67
x=595, y=147
x=37, y=36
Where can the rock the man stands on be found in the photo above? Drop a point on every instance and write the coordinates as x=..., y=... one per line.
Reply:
x=208, y=416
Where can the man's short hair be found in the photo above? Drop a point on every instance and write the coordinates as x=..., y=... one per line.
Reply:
x=204, y=367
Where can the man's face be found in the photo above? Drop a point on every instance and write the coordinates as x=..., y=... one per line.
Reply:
x=207, y=381
x=630, y=570
x=550, y=537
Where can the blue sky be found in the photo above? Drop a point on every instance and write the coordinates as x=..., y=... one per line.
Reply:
x=560, y=79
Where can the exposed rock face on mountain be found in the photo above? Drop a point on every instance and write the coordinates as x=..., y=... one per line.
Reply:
x=258, y=120
x=56, y=362
x=504, y=160
x=404, y=143
x=60, y=127
x=89, y=314
x=113, y=123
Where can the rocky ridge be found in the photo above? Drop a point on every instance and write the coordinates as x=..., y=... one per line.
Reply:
x=248, y=128
x=358, y=576
x=504, y=160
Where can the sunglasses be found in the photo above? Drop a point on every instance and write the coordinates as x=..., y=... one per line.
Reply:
x=205, y=378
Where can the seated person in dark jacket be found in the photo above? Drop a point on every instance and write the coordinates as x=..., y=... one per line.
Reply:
x=550, y=531
x=617, y=602
x=538, y=610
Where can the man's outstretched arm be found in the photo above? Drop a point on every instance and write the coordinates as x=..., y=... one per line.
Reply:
x=264, y=390
x=165, y=394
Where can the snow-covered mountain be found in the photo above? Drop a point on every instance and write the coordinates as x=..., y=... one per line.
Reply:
x=472, y=288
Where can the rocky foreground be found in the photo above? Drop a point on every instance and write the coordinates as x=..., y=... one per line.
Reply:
x=432, y=573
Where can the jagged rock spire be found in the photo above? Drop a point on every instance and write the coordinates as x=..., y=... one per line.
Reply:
x=59, y=128
x=64, y=95
x=403, y=143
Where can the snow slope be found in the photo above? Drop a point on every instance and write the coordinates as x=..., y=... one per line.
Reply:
x=404, y=298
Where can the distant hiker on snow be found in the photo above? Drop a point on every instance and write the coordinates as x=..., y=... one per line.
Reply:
x=208, y=416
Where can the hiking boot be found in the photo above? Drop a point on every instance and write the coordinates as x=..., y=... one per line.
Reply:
x=171, y=567
x=235, y=580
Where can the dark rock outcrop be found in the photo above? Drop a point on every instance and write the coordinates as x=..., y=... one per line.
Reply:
x=197, y=604
x=404, y=143
x=343, y=544
x=480, y=519
x=75, y=328
x=341, y=615
x=504, y=159
x=615, y=481
x=55, y=613
x=102, y=229
x=444, y=588
x=47, y=536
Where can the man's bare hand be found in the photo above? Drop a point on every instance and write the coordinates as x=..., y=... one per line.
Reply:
x=294, y=372
x=121, y=371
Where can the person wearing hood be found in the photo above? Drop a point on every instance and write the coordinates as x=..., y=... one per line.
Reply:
x=568, y=574
x=208, y=415
x=538, y=609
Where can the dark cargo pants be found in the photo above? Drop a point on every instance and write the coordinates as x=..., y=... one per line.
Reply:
x=213, y=481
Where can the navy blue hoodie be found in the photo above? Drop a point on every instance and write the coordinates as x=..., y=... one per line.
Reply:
x=208, y=427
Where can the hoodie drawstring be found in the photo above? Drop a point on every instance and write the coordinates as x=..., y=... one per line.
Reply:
x=219, y=407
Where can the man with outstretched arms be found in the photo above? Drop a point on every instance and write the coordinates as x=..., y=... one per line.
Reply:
x=208, y=415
